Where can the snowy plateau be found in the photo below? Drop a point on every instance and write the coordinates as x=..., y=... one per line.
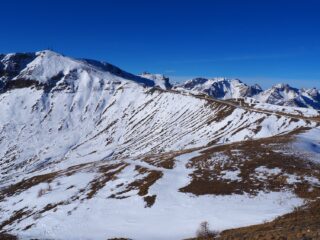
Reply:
x=89, y=151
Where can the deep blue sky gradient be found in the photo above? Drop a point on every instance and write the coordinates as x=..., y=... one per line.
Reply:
x=257, y=41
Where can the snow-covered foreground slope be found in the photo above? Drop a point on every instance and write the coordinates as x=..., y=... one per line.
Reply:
x=174, y=215
x=88, y=151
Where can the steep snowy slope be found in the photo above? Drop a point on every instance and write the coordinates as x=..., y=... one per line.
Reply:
x=80, y=139
x=48, y=69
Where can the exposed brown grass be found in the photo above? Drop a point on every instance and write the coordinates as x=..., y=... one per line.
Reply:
x=246, y=157
x=142, y=185
x=165, y=160
x=150, y=200
x=16, y=216
x=301, y=224
x=274, y=152
x=5, y=236
x=108, y=173
x=26, y=184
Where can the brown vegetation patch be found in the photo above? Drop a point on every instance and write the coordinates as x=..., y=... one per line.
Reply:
x=108, y=173
x=165, y=160
x=5, y=236
x=17, y=188
x=301, y=224
x=246, y=157
x=26, y=184
x=223, y=113
x=150, y=200
x=142, y=185
x=17, y=216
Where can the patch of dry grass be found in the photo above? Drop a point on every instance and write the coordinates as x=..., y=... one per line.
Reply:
x=246, y=157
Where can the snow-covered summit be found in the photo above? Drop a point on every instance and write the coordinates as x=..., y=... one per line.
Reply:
x=159, y=79
x=285, y=95
x=50, y=69
x=280, y=94
x=222, y=88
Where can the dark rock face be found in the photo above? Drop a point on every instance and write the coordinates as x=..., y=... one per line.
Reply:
x=10, y=67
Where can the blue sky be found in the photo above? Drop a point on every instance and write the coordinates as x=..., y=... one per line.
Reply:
x=262, y=42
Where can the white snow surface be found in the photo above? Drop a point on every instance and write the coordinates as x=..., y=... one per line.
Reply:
x=175, y=215
x=231, y=175
x=309, y=144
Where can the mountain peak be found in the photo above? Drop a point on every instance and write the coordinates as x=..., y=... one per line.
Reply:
x=280, y=94
x=48, y=68
x=281, y=85
x=220, y=87
x=159, y=79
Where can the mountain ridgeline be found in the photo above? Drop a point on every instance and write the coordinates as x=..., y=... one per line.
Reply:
x=279, y=94
x=13, y=70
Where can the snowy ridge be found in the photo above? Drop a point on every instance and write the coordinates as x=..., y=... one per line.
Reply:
x=279, y=94
x=285, y=95
x=221, y=88
x=299, y=111
x=50, y=69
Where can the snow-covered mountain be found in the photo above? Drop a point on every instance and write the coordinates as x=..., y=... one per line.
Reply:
x=47, y=69
x=89, y=151
x=285, y=95
x=279, y=94
x=159, y=79
x=221, y=88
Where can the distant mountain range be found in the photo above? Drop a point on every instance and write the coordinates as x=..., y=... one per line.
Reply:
x=279, y=94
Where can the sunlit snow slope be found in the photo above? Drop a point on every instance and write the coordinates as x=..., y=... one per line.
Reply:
x=88, y=151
